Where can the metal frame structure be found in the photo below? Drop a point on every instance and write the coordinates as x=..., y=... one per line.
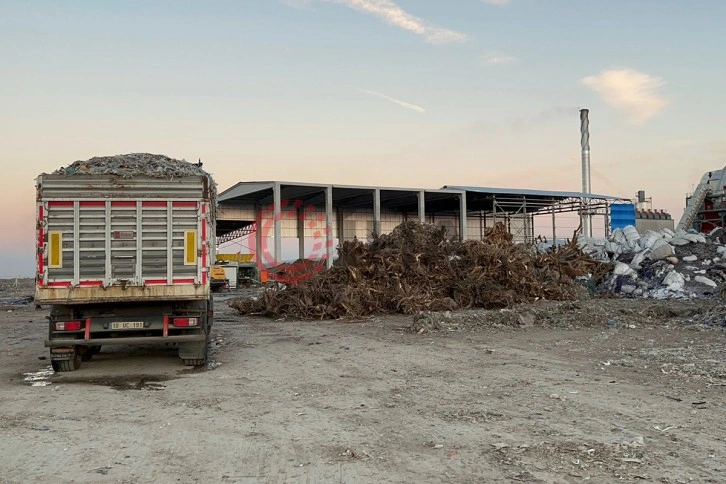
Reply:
x=247, y=206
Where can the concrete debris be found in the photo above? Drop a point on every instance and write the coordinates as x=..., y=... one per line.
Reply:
x=622, y=269
x=660, y=265
x=705, y=280
x=674, y=281
x=660, y=250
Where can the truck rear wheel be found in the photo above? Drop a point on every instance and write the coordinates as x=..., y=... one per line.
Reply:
x=89, y=352
x=67, y=365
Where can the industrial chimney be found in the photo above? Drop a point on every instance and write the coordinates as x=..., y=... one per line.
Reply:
x=585, y=142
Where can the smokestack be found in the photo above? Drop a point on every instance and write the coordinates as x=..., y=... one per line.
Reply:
x=585, y=142
x=641, y=196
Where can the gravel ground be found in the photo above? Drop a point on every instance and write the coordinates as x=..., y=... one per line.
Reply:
x=603, y=390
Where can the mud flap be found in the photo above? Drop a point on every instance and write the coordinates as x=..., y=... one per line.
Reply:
x=193, y=351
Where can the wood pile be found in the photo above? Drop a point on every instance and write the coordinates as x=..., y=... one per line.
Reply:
x=415, y=268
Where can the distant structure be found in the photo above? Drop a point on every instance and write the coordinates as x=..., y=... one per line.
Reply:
x=706, y=206
x=648, y=219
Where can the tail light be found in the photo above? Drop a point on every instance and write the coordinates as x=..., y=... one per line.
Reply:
x=185, y=322
x=68, y=325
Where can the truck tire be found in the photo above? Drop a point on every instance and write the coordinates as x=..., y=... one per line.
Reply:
x=90, y=351
x=67, y=365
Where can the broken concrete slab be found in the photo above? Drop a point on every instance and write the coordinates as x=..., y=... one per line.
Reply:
x=679, y=241
x=674, y=281
x=705, y=280
x=660, y=250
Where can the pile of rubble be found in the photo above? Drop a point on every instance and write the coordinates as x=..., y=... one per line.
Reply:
x=415, y=268
x=660, y=265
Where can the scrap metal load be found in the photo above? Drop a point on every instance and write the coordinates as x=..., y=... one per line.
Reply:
x=138, y=164
x=415, y=268
x=125, y=246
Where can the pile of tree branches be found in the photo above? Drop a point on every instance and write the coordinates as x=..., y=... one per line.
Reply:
x=416, y=268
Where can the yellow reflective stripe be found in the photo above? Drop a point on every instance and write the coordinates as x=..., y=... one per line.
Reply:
x=55, y=250
x=190, y=247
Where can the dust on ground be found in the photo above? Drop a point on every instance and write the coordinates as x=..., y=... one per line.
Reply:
x=600, y=390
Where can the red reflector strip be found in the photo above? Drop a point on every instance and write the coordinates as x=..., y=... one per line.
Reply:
x=92, y=203
x=59, y=284
x=151, y=282
x=41, y=243
x=166, y=326
x=123, y=204
x=183, y=281
x=184, y=204
x=60, y=203
x=153, y=204
x=90, y=283
x=88, y=328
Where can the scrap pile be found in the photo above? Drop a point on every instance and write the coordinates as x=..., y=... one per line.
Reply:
x=415, y=268
x=135, y=164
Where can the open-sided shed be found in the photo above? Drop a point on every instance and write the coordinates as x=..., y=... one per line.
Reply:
x=319, y=214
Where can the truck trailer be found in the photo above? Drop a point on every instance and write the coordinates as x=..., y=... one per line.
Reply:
x=124, y=249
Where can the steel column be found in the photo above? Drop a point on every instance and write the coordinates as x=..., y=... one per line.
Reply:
x=462, y=217
x=258, y=238
x=377, y=211
x=277, y=221
x=329, y=226
x=422, y=206
x=301, y=232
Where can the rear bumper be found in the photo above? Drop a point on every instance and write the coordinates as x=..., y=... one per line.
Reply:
x=187, y=338
x=76, y=295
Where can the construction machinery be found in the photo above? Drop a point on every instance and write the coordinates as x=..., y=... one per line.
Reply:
x=240, y=269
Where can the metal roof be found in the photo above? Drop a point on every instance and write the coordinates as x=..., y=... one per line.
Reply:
x=438, y=200
x=244, y=189
x=531, y=193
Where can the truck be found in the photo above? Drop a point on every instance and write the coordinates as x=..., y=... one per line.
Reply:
x=124, y=249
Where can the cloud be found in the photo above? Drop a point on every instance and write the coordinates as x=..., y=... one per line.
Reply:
x=403, y=104
x=499, y=3
x=495, y=58
x=632, y=92
x=392, y=14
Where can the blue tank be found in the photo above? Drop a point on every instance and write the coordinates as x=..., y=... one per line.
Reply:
x=621, y=215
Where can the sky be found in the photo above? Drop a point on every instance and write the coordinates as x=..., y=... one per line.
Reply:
x=415, y=93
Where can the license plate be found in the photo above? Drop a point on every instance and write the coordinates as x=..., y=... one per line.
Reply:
x=128, y=325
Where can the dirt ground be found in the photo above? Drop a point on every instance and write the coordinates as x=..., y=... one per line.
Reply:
x=602, y=390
